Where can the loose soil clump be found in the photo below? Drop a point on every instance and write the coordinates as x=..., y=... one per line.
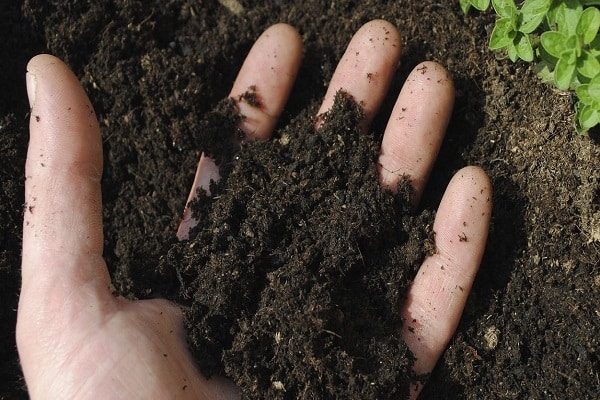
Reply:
x=295, y=276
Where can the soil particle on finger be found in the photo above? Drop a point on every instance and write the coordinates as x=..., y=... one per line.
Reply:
x=294, y=280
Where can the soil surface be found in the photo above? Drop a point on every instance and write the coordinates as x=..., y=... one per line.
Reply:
x=156, y=71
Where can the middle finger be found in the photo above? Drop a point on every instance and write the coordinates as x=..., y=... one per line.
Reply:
x=366, y=68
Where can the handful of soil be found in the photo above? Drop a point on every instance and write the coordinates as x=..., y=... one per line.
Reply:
x=293, y=280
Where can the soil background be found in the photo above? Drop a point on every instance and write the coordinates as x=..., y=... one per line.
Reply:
x=155, y=69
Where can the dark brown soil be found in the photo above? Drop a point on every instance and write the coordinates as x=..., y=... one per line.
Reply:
x=155, y=70
x=293, y=280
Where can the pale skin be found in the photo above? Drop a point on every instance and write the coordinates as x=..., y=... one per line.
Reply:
x=76, y=340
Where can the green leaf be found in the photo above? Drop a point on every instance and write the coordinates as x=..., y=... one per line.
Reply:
x=583, y=95
x=565, y=14
x=594, y=47
x=564, y=73
x=500, y=35
x=546, y=57
x=481, y=5
x=545, y=71
x=589, y=93
x=465, y=5
x=573, y=49
x=523, y=46
x=532, y=14
x=588, y=65
x=590, y=2
x=587, y=117
x=554, y=43
x=512, y=52
x=589, y=22
x=505, y=8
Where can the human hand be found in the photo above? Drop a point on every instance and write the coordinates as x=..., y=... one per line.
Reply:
x=76, y=339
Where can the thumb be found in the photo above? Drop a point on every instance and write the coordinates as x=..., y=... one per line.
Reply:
x=62, y=228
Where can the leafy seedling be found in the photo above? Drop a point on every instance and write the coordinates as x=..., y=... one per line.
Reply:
x=568, y=48
x=513, y=27
x=574, y=56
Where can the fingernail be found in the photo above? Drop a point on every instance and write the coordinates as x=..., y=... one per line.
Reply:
x=31, y=82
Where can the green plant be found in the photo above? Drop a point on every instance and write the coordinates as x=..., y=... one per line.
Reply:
x=588, y=107
x=572, y=53
x=562, y=35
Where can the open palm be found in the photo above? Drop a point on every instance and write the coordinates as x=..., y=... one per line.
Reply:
x=76, y=339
